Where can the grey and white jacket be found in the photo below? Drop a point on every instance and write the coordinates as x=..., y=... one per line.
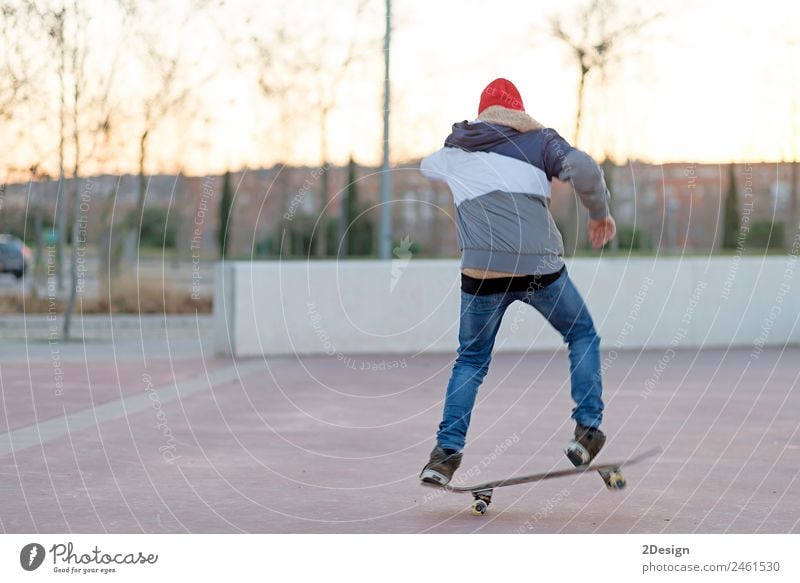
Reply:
x=500, y=178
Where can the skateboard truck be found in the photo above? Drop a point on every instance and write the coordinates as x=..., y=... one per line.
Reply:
x=481, y=503
x=613, y=479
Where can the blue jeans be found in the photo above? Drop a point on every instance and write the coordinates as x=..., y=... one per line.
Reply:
x=562, y=305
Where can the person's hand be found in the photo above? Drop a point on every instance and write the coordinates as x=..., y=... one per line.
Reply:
x=601, y=231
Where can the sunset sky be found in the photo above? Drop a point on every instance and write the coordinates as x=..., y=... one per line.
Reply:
x=709, y=81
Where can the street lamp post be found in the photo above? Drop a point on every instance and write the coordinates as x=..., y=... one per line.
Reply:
x=385, y=226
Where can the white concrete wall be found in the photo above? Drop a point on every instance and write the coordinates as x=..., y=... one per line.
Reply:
x=359, y=307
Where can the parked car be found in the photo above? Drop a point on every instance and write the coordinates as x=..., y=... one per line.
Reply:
x=15, y=255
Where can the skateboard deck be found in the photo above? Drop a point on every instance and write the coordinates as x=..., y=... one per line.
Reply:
x=610, y=472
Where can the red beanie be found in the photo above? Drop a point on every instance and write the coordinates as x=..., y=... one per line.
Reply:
x=503, y=93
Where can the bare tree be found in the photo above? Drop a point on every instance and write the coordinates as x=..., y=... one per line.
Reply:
x=18, y=67
x=84, y=119
x=56, y=20
x=90, y=118
x=316, y=59
x=21, y=71
x=594, y=35
x=170, y=88
x=327, y=91
x=266, y=53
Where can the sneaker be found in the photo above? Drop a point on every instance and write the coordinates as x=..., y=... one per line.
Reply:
x=441, y=467
x=587, y=444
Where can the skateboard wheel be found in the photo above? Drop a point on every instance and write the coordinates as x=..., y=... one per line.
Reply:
x=479, y=507
x=615, y=481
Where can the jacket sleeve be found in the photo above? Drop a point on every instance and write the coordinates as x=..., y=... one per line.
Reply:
x=577, y=167
x=433, y=167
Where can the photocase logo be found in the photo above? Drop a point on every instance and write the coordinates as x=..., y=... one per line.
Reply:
x=403, y=254
x=31, y=556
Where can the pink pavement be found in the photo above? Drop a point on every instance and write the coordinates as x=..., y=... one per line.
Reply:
x=318, y=444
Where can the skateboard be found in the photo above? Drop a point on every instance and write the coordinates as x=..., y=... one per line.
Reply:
x=609, y=472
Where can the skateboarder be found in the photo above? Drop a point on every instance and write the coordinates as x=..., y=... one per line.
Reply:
x=499, y=169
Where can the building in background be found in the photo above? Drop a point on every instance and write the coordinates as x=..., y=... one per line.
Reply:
x=674, y=207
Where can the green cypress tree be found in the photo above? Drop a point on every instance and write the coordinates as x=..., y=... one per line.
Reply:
x=225, y=208
x=730, y=227
x=355, y=231
x=353, y=240
x=608, y=173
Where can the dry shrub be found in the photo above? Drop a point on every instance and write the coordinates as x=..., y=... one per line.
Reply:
x=13, y=304
x=150, y=296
